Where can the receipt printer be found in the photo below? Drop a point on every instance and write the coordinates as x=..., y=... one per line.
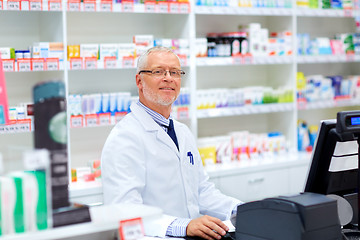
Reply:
x=306, y=216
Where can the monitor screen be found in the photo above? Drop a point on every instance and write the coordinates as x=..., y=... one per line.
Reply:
x=334, y=164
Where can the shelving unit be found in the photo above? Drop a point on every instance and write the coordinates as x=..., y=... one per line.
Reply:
x=115, y=23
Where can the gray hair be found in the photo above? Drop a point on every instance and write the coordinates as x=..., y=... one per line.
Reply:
x=142, y=60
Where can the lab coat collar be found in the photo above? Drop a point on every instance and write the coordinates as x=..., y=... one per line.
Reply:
x=151, y=126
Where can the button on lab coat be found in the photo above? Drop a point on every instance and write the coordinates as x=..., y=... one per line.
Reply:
x=141, y=164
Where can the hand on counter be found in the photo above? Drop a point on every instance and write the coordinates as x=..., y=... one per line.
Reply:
x=206, y=227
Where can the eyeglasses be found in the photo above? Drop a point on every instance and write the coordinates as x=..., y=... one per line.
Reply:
x=158, y=73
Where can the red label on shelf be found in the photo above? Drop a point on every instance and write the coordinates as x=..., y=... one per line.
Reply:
x=52, y=64
x=24, y=64
x=131, y=229
x=8, y=65
x=23, y=125
x=54, y=5
x=38, y=64
x=183, y=112
x=24, y=5
x=110, y=62
x=301, y=103
x=13, y=5
x=128, y=62
x=76, y=63
x=150, y=6
x=162, y=7
x=119, y=116
x=76, y=121
x=36, y=5
x=1, y=4
x=106, y=6
x=89, y=5
x=91, y=120
x=90, y=63
x=104, y=119
x=174, y=7
x=184, y=7
x=74, y=5
x=183, y=59
x=127, y=6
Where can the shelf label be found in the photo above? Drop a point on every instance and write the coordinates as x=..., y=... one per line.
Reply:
x=36, y=5
x=1, y=4
x=89, y=5
x=350, y=57
x=238, y=60
x=183, y=112
x=127, y=6
x=104, y=119
x=90, y=63
x=184, y=7
x=38, y=64
x=54, y=5
x=150, y=6
x=348, y=12
x=131, y=229
x=183, y=59
x=119, y=116
x=9, y=65
x=52, y=64
x=13, y=5
x=128, y=62
x=301, y=103
x=24, y=64
x=248, y=59
x=163, y=7
x=174, y=7
x=106, y=6
x=91, y=120
x=23, y=125
x=76, y=63
x=74, y=5
x=110, y=62
x=76, y=121
x=24, y=5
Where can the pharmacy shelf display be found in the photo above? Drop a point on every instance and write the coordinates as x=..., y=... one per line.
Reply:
x=102, y=22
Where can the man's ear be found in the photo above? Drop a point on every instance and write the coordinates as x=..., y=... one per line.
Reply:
x=138, y=81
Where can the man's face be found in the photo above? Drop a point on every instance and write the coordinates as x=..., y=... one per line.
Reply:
x=163, y=90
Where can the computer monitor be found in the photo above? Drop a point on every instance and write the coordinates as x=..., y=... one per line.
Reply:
x=334, y=163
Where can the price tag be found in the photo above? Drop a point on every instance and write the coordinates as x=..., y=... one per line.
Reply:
x=131, y=229
x=76, y=63
x=150, y=6
x=248, y=59
x=106, y=6
x=183, y=112
x=119, y=116
x=89, y=6
x=183, y=59
x=350, y=57
x=163, y=7
x=237, y=60
x=9, y=65
x=348, y=12
x=54, y=5
x=35, y=5
x=24, y=64
x=13, y=5
x=174, y=7
x=24, y=5
x=38, y=64
x=301, y=103
x=127, y=6
x=74, y=5
x=110, y=62
x=90, y=63
x=23, y=125
x=128, y=62
x=52, y=64
x=76, y=121
x=1, y=5
x=184, y=7
x=91, y=120
x=104, y=119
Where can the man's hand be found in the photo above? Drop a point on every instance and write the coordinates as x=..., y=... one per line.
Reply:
x=206, y=227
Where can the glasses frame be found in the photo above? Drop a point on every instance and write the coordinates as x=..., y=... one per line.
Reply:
x=182, y=72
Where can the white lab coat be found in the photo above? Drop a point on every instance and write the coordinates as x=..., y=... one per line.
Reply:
x=141, y=164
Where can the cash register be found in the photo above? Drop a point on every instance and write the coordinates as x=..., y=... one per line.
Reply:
x=314, y=214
